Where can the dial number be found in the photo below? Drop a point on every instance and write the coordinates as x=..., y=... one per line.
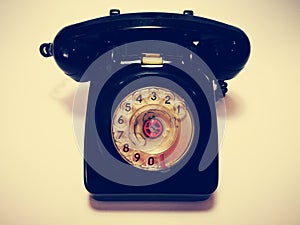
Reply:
x=121, y=120
x=120, y=134
x=126, y=148
x=153, y=96
x=139, y=99
x=136, y=157
x=127, y=107
x=168, y=98
x=180, y=110
x=151, y=161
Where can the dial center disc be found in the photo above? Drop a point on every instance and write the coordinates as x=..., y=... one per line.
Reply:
x=153, y=128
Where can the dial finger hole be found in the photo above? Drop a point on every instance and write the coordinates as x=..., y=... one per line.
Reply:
x=119, y=135
x=127, y=107
x=137, y=158
x=154, y=95
x=168, y=99
x=140, y=98
x=152, y=161
x=180, y=110
x=120, y=120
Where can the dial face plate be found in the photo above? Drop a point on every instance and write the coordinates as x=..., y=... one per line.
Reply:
x=152, y=128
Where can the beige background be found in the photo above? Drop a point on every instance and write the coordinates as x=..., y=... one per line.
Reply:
x=41, y=180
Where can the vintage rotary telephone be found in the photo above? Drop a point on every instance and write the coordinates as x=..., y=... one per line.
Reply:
x=154, y=80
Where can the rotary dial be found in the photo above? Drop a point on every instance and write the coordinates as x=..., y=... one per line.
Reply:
x=152, y=128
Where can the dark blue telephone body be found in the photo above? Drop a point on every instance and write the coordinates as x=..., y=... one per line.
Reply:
x=224, y=48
